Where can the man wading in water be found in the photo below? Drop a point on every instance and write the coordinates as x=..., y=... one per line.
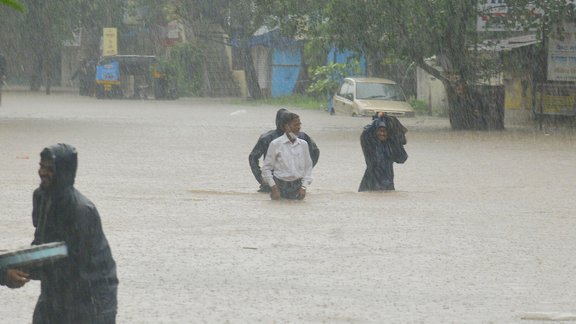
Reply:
x=264, y=141
x=288, y=166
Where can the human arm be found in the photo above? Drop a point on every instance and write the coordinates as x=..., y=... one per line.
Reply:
x=275, y=192
x=257, y=152
x=397, y=140
x=89, y=255
x=13, y=278
x=312, y=147
x=308, y=166
x=268, y=165
x=87, y=245
x=397, y=130
x=301, y=193
x=268, y=170
x=397, y=152
x=368, y=144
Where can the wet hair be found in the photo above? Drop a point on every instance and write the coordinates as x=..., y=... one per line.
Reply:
x=279, y=114
x=287, y=117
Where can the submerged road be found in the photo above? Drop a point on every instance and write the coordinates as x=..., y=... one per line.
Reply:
x=481, y=228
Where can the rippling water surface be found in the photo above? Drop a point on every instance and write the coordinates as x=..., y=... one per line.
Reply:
x=481, y=228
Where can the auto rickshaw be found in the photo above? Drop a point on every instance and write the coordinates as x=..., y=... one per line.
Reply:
x=132, y=77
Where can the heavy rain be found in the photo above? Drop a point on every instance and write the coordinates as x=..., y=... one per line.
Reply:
x=479, y=228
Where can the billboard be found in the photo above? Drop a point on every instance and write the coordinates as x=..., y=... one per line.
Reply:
x=109, y=41
x=562, y=55
x=492, y=13
x=108, y=73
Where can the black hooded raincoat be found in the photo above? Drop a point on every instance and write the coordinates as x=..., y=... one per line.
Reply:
x=380, y=156
x=81, y=288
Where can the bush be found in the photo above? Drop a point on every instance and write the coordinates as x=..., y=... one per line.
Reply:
x=300, y=101
x=184, y=66
x=327, y=78
x=420, y=107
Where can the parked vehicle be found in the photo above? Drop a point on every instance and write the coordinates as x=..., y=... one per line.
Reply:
x=133, y=76
x=367, y=96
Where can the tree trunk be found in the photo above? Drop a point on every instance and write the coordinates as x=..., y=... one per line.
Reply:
x=374, y=65
x=36, y=73
x=461, y=109
x=467, y=109
x=48, y=74
x=303, y=78
x=37, y=33
x=250, y=72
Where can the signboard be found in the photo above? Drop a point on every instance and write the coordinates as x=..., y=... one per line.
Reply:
x=491, y=13
x=108, y=73
x=109, y=41
x=562, y=55
x=488, y=10
x=173, y=33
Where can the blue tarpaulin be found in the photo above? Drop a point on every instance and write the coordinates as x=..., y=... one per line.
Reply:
x=286, y=65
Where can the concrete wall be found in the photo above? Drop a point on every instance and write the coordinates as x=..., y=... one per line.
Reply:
x=432, y=92
x=517, y=99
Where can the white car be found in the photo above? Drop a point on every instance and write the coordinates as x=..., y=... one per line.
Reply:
x=367, y=96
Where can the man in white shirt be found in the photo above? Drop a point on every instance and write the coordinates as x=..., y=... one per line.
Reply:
x=288, y=166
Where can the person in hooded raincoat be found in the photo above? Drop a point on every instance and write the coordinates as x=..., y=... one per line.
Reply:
x=382, y=143
x=81, y=288
x=261, y=147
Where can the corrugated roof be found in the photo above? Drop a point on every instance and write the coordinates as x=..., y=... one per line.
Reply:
x=507, y=44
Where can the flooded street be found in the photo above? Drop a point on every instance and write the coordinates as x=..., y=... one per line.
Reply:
x=481, y=228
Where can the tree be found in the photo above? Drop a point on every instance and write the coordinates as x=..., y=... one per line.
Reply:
x=44, y=27
x=414, y=30
x=409, y=30
x=238, y=19
x=15, y=4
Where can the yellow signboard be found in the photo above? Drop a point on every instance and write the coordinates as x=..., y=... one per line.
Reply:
x=109, y=41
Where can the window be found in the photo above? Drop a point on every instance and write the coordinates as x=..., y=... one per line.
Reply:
x=379, y=91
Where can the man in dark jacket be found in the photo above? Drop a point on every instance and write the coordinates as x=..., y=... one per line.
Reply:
x=81, y=288
x=382, y=144
x=261, y=147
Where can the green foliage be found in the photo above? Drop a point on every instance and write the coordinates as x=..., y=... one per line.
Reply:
x=327, y=78
x=300, y=101
x=420, y=107
x=15, y=4
x=315, y=52
x=538, y=15
x=184, y=67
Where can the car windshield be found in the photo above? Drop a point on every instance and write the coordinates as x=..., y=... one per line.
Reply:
x=380, y=91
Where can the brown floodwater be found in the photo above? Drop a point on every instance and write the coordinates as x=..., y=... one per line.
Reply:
x=481, y=228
